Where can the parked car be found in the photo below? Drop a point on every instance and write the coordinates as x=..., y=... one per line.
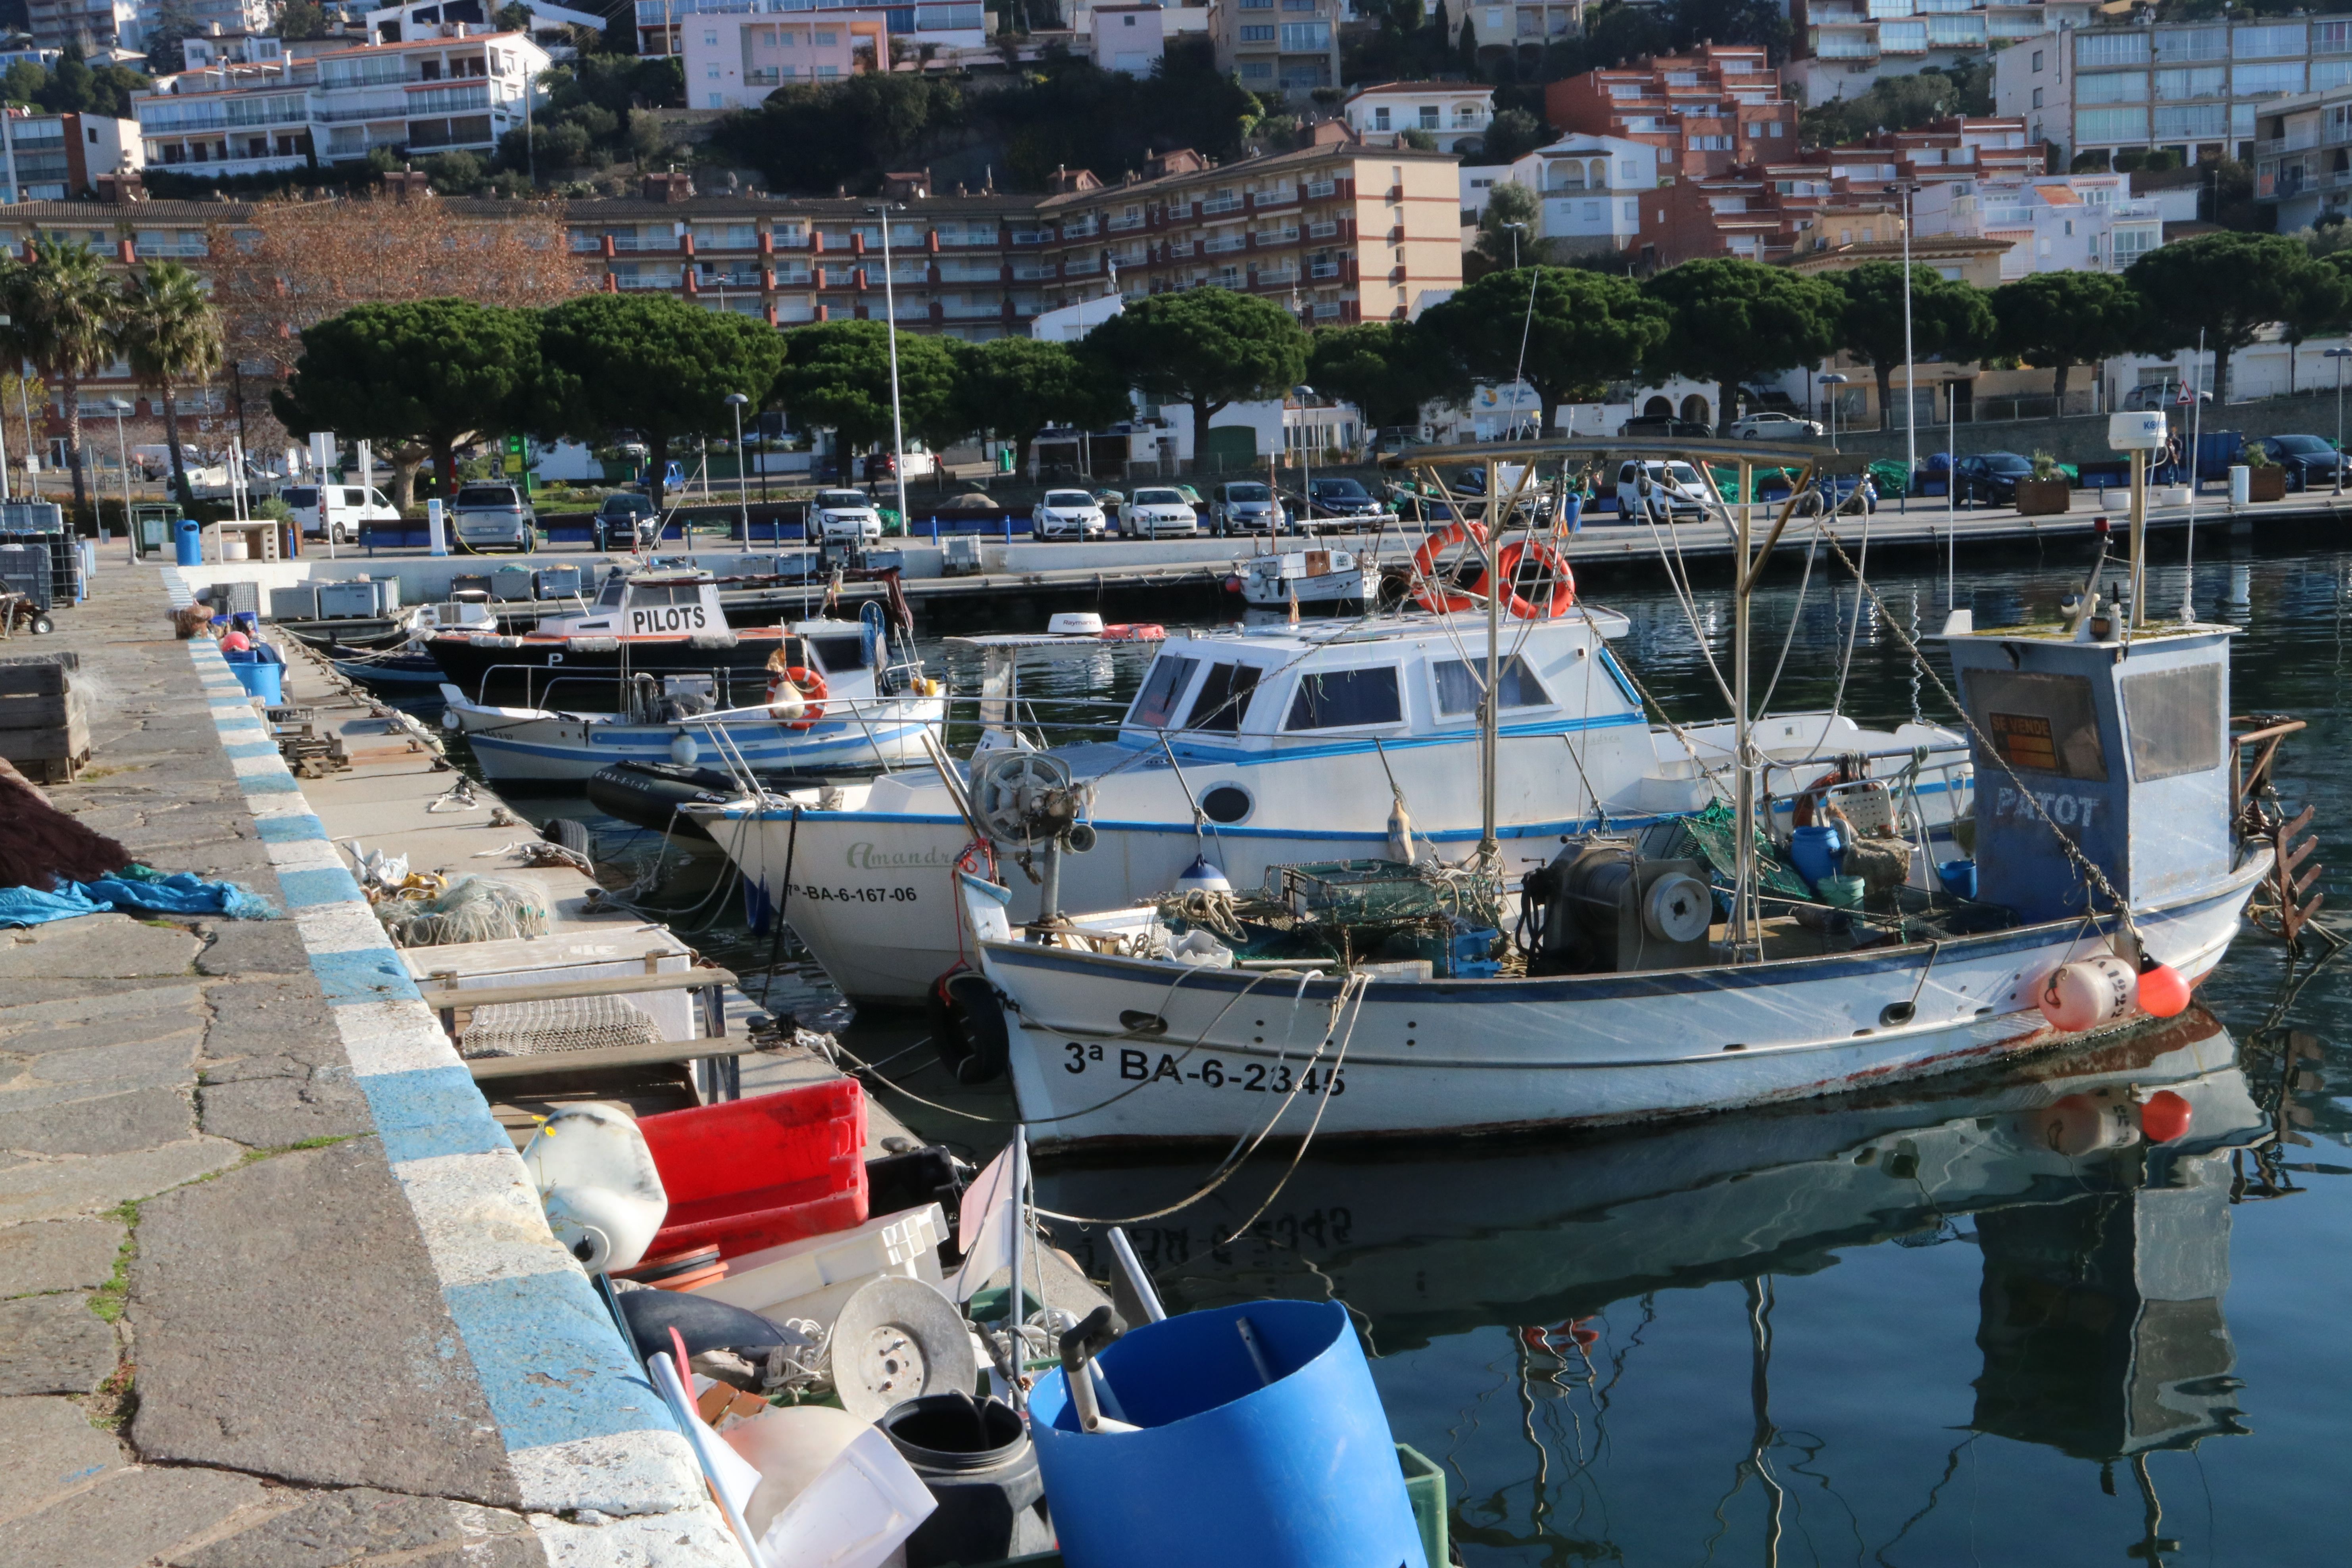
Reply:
x=1830, y=492
x=1660, y=427
x=493, y=517
x=1068, y=514
x=345, y=507
x=1773, y=425
x=1154, y=513
x=1675, y=486
x=1989, y=478
x=1338, y=499
x=2307, y=460
x=844, y=515
x=2159, y=395
x=618, y=520
x=1244, y=506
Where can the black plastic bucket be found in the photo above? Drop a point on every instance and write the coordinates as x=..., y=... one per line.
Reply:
x=974, y=1455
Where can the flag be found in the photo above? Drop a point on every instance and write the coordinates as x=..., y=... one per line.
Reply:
x=987, y=1216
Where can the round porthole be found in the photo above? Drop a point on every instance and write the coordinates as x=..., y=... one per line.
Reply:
x=1227, y=803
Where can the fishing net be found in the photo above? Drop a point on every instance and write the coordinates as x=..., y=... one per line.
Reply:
x=551, y=1027
x=1714, y=833
x=476, y=909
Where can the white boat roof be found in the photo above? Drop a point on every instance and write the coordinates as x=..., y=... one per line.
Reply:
x=1308, y=636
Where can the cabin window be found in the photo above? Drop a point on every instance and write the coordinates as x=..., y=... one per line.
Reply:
x=614, y=587
x=2175, y=721
x=1155, y=705
x=839, y=653
x=2049, y=723
x=1458, y=685
x=652, y=593
x=1224, y=696
x=1343, y=698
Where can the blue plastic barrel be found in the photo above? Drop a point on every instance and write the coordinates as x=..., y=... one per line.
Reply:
x=1571, y=511
x=1814, y=852
x=265, y=680
x=1959, y=878
x=189, y=543
x=1299, y=1472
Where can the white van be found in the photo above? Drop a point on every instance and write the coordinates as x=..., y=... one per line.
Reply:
x=347, y=507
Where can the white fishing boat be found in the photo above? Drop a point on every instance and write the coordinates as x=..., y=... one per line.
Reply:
x=2112, y=868
x=1307, y=578
x=1254, y=749
x=840, y=704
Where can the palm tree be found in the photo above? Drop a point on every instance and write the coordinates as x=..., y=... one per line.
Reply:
x=61, y=318
x=169, y=331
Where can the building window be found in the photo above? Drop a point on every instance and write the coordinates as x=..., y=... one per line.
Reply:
x=2204, y=81
x=2037, y=98
x=1265, y=34
x=2111, y=87
x=717, y=100
x=2269, y=43
x=2248, y=81
x=1306, y=38
x=2092, y=49
x=1257, y=71
x=2110, y=125
x=711, y=38
x=2037, y=61
x=826, y=40
x=1380, y=116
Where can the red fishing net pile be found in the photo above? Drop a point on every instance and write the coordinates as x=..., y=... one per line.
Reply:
x=41, y=846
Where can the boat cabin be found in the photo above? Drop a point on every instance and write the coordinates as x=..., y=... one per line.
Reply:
x=647, y=605
x=1214, y=693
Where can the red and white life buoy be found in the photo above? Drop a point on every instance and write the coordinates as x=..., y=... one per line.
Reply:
x=1808, y=798
x=808, y=686
x=1562, y=596
x=1434, y=598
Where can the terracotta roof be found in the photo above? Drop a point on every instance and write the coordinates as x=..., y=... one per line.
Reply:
x=1419, y=89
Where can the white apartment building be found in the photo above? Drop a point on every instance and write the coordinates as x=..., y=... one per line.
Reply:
x=550, y=25
x=1844, y=46
x=2192, y=87
x=1592, y=188
x=221, y=47
x=227, y=18
x=56, y=157
x=685, y=26
x=433, y=95
x=1523, y=24
x=1284, y=48
x=2303, y=157
x=1455, y=113
x=735, y=62
x=2062, y=224
x=95, y=25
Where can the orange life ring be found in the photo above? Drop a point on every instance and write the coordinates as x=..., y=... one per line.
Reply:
x=1434, y=599
x=811, y=686
x=1801, y=814
x=1563, y=581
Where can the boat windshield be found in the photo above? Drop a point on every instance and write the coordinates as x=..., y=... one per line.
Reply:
x=1155, y=705
x=616, y=587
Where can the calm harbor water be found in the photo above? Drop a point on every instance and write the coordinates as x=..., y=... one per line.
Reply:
x=1982, y=1322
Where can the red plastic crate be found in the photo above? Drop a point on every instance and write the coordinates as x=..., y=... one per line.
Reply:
x=752, y=1173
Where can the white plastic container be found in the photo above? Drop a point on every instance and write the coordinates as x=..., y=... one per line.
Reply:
x=596, y=1179
x=2088, y=993
x=855, y=1514
x=2242, y=484
x=811, y=1278
x=1075, y=624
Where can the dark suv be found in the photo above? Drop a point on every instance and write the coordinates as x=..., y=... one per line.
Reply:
x=618, y=519
x=1662, y=428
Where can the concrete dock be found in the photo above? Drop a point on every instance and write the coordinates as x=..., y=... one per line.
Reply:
x=273, y=1286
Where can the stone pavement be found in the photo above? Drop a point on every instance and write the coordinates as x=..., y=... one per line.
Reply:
x=227, y=1337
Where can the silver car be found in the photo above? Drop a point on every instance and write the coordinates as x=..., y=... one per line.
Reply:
x=1767, y=425
x=1245, y=506
x=1068, y=514
x=1154, y=513
x=493, y=517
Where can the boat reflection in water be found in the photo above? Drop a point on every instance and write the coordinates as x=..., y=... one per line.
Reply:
x=2099, y=1182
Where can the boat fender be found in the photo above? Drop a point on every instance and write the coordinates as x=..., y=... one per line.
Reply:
x=592, y=645
x=570, y=833
x=2088, y=993
x=968, y=1026
x=2162, y=993
x=710, y=639
x=491, y=639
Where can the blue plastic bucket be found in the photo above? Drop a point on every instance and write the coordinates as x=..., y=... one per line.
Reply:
x=259, y=677
x=1300, y=1472
x=1815, y=852
x=1959, y=878
x=189, y=542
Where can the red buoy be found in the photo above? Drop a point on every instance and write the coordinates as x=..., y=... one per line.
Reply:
x=2162, y=993
x=2163, y=1117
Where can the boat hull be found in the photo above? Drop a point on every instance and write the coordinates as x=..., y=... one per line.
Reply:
x=522, y=672
x=555, y=749
x=1091, y=1063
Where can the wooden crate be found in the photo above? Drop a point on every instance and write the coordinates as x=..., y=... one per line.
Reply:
x=47, y=735
x=41, y=676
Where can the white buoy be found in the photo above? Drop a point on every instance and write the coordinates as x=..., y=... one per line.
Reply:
x=683, y=751
x=2089, y=992
x=450, y=721
x=1203, y=878
x=597, y=1181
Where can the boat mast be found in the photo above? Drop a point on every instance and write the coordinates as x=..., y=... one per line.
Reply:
x=1489, y=847
x=1741, y=928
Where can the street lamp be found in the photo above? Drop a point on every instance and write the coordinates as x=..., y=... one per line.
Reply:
x=1904, y=188
x=1514, y=228
x=122, y=456
x=890, y=309
x=1829, y=400
x=735, y=402
x=2339, y=356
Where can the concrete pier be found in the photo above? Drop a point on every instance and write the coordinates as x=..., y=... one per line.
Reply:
x=273, y=1286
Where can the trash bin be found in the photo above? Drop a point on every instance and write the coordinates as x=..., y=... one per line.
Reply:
x=1296, y=1459
x=2242, y=484
x=190, y=542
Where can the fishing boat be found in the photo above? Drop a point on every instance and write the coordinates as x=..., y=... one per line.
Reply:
x=1245, y=750
x=844, y=706
x=394, y=661
x=661, y=622
x=2115, y=853
x=1307, y=578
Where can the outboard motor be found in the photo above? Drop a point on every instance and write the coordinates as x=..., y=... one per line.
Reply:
x=1600, y=907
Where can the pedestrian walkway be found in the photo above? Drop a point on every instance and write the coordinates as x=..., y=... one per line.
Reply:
x=272, y=1288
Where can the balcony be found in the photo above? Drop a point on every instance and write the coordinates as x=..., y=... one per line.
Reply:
x=1121, y=225
x=1080, y=266
x=736, y=279
x=1224, y=244
x=641, y=282
x=1327, y=229
x=1035, y=273
x=1323, y=270
x=1276, y=277
x=1222, y=204
x=1321, y=190
x=1328, y=312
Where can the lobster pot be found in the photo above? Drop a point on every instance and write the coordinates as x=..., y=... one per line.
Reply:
x=1291, y=1469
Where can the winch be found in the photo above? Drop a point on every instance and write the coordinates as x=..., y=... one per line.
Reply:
x=1602, y=906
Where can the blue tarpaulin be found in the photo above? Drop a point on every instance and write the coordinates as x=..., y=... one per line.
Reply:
x=181, y=894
